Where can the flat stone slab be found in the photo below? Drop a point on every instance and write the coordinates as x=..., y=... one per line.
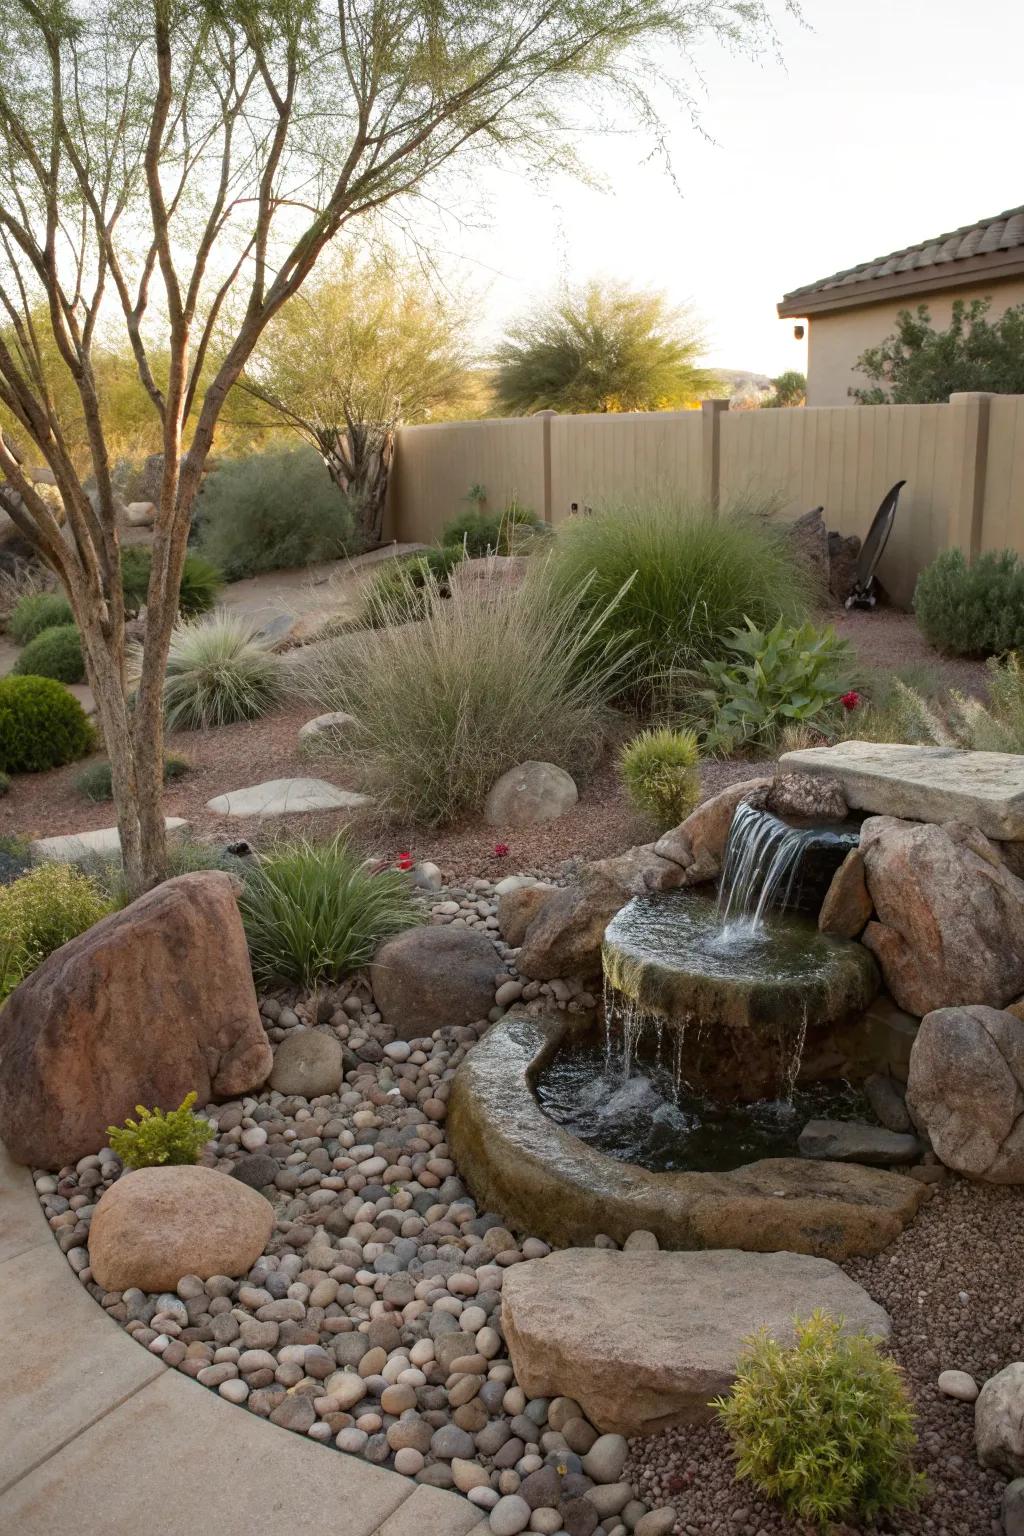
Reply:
x=644, y=1340
x=924, y=783
x=854, y=1141
x=286, y=797
x=104, y=841
x=324, y=727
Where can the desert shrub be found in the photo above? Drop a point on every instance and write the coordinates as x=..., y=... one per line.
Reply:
x=15, y=858
x=55, y=652
x=972, y=610
x=501, y=533
x=37, y=611
x=20, y=577
x=824, y=1426
x=42, y=725
x=313, y=911
x=690, y=576
x=219, y=670
x=488, y=679
x=271, y=511
x=201, y=581
x=781, y=677
x=660, y=774
x=396, y=591
x=157, y=1138
x=95, y=781
x=41, y=911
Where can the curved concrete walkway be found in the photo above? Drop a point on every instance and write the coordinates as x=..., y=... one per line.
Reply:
x=98, y=1436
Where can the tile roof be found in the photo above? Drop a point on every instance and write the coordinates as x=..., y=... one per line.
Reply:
x=1000, y=239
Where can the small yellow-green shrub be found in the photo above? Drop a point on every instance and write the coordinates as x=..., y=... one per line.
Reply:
x=40, y=912
x=157, y=1138
x=824, y=1426
x=659, y=770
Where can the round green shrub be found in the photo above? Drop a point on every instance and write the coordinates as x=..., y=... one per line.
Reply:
x=95, y=781
x=825, y=1425
x=201, y=581
x=37, y=611
x=972, y=610
x=660, y=774
x=55, y=652
x=41, y=725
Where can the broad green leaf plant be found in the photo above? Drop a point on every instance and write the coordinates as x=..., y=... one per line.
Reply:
x=783, y=676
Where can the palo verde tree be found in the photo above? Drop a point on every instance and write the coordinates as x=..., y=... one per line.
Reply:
x=160, y=158
x=366, y=346
x=604, y=347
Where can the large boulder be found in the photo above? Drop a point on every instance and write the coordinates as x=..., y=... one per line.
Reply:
x=517, y=909
x=949, y=923
x=999, y=1421
x=427, y=978
x=697, y=845
x=847, y=905
x=158, y=1224
x=574, y=1328
x=154, y=1002
x=966, y=1089
x=531, y=793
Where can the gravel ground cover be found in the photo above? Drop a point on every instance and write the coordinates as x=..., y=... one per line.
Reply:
x=372, y=1322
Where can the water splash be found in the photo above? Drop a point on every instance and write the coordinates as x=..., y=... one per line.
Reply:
x=762, y=858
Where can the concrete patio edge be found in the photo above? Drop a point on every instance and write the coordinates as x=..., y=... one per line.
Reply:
x=101, y=1437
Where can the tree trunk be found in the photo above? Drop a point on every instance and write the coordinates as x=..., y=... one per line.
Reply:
x=358, y=459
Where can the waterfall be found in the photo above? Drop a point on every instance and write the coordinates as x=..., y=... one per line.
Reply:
x=762, y=860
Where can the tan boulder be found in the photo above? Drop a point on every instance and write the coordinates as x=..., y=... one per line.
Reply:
x=638, y=1369
x=517, y=910
x=158, y=1224
x=154, y=1002
x=966, y=1089
x=801, y=797
x=698, y=843
x=531, y=793
x=950, y=915
x=427, y=978
x=847, y=905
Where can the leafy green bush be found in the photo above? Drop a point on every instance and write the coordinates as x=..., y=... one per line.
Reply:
x=219, y=670
x=485, y=681
x=313, y=912
x=396, y=591
x=157, y=1138
x=480, y=533
x=42, y=725
x=825, y=1426
x=271, y=511
x=788, y=676
x=972, y=610
x=201, y=581
x=41, y=911
x=37, y=611
x=55, y=652
x=680, y=578
x=660, y=774
x=95, y=781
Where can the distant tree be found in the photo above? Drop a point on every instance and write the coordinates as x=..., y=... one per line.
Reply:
x=919, y=365
x=604, y=347
x=789, y=389
x=360, y=350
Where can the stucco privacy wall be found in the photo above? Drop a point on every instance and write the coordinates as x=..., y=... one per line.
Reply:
x=435, y=467
x=601, y=458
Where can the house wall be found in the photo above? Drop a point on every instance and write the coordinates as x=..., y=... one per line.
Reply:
x=835, y=341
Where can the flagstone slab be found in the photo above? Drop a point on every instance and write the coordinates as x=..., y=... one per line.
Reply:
x=286, y=797
x=936, y=784
x=103, y=841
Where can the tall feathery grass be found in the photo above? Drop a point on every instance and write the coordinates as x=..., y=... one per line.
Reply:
x=219, y=671
x=688, y=576
x=492, y=676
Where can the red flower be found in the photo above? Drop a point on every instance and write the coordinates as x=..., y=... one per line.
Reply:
x=850, y=700
x=501, y=850
x=405, y=861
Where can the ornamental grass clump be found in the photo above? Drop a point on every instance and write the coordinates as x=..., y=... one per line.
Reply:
x=37, y=611
x=824, y=1426
x=497, y=674
x=313, y=912
x=158, y=1138
x=39, y=912
x=219, y=671
x=660, y=773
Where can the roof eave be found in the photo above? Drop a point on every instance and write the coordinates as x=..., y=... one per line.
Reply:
x=994, y=266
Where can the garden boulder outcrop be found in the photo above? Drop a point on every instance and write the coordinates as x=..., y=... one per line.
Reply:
x=154, y=1002
x=158, y=1224
x=966, y=1089
x=949, y=915
x=697, y=845
x=427, y=978
x=530, y=793
x=999, y=1421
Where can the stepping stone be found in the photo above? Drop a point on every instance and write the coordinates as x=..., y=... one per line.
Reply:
x=77, y=845
x=326, y=726
x=286, y=797
x=853, y=1141
x=644, y=1340
x=938, y=784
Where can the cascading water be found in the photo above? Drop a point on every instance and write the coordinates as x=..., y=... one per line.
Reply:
x=763, y=856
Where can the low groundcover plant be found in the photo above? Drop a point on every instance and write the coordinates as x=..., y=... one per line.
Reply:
x=157, y=1138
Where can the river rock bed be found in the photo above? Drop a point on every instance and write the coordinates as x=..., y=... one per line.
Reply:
x=372, y=1321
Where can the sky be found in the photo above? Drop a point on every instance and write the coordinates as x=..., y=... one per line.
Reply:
x=886, y=122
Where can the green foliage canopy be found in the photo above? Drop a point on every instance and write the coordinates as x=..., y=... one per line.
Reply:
x=918, y=365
